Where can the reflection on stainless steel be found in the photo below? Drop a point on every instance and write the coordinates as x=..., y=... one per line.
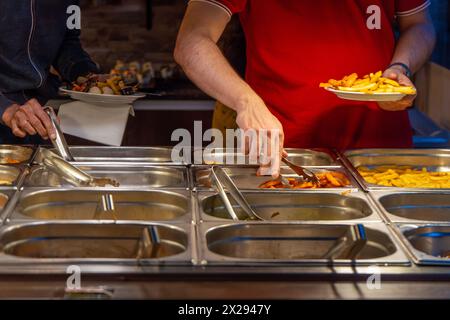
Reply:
x=11, y=154
x=149, y=243
x=8, y=175
x=297, y=206
x=126, y=176
x=301, y=157
x=291, y=242
x=87, y=241
x=431, y=240
x=122, y=154
x=106, y=205
x=129, y=205
x=418, y=206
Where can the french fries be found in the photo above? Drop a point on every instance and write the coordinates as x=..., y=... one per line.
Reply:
x=372, y=83
x=327, y=180
x=405, y=177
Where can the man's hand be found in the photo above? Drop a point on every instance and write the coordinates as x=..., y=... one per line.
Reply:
x=254, y=116
x=398, y=74
x=29, y=119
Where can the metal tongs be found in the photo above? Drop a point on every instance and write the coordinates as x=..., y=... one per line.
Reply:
x=304, y=173
x=59, y=164
x=349, y=245
x=221, y=179
x=59, y=143
x=69, y=172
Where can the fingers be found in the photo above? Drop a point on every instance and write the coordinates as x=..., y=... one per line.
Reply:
x=401, y=105
x=16, y=130
x=44, y=118
x=34, y=121
x=23, y=123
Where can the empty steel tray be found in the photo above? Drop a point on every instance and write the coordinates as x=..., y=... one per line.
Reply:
x=428, y=244
x=250, y=243
x=127, y=176
x=414, y=206
x=90, y=243
x=69, y=204
x=122, y=154
x=289, y=206
x=302, y=157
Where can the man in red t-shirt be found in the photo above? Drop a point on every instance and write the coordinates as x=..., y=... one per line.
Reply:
x=294, y=45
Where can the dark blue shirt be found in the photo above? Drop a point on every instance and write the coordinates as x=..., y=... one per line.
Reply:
x=34, y=37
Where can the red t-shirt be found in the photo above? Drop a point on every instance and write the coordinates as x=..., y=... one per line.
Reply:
x=294, y=45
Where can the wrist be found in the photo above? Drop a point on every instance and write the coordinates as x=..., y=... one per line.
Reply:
x=402, y=67
x=246, y=101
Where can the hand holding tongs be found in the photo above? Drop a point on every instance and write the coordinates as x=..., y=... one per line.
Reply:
x=221, y=179
x=304, y=173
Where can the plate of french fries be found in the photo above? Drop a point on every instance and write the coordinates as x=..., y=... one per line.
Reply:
x=371, y=87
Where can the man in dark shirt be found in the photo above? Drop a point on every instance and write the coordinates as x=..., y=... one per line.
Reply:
x=34, y=38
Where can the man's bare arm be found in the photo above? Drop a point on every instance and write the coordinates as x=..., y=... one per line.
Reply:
x=203, y=62
x=197, y=52
x=414, y=47
x=417, y=40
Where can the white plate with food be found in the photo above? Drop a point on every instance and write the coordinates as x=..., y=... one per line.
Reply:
x=372, y=87
x=102, y=99
x=103, y=89
x=362, y=96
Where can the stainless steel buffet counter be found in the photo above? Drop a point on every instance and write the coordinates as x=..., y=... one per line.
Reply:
x=46, y=225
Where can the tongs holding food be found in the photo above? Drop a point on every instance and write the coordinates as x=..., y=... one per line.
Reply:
x=59, y=164
x=221, y=179
x=304, y=173
x=69, y=172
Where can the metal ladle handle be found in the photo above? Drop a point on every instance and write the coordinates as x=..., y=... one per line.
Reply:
x=59, y=143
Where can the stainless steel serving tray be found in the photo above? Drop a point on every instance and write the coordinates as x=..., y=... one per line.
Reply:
x=83, y=243
x=302, y=157
x=146, y=155
x=279, y=207
x=433, y=159
x=413, y=207
x=22, y=154
x=82, y=204
x=13, y=174
x=291, y=244
x=144, y=176
x=245, y=178
x=426, y=243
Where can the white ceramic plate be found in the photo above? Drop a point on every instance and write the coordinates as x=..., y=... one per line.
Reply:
x=361, y=96
x=102, y=99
